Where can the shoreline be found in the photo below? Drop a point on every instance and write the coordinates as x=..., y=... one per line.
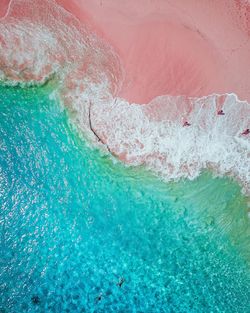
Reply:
x=202, y=48
x=79, y=87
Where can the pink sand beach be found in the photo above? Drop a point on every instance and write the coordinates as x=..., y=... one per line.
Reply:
x=174, y=47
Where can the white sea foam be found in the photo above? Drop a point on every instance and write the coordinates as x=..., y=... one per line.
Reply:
x=39, y=40
x=154, y=135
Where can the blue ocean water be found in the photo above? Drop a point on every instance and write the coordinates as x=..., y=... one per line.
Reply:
x=74, y=225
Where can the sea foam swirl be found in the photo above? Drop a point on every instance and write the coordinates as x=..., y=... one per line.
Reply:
x=40, y=40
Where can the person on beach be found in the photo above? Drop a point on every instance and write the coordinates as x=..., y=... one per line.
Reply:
x=246, y=132
x=186, y=124
x=220, y=112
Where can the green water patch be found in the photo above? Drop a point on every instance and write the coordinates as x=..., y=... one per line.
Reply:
x=75, y=224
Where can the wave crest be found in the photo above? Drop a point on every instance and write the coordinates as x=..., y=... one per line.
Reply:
x=40, y=39
x=154, y=135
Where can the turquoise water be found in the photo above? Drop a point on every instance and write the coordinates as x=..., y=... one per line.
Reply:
x=74, y=224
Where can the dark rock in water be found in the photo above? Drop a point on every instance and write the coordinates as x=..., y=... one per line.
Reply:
x=99, y=297
x=120, y=282
x=35, y=299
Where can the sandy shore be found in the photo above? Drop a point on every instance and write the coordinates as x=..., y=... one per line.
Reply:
x=3, y=7
x=175, y=47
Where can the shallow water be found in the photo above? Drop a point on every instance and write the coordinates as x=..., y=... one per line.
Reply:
x=73, y=223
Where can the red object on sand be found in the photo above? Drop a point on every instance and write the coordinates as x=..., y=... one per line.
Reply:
x=246, y=132
x=221, y=112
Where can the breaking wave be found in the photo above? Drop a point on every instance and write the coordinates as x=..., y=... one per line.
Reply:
x=174, y=136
